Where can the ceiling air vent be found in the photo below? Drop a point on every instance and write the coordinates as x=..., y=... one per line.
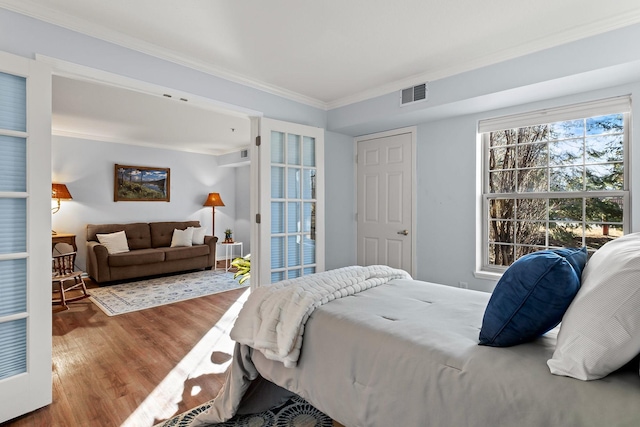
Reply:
x=413, y=94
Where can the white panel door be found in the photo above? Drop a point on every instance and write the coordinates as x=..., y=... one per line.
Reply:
x=25, y=239
x=385, y=200
x=291, y=182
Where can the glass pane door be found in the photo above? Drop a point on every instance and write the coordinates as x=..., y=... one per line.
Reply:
x=292, y=199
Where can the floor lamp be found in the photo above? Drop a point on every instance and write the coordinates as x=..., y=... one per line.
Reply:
x=213, y=200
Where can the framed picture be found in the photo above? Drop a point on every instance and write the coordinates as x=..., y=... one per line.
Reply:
x=141, y=184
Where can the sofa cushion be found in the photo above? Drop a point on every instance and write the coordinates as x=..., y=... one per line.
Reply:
x=162, y=232
x=114, y=242
x=138, y=234
x=183, y=252
x=137, y=257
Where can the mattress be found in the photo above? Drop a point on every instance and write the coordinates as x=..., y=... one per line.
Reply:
x=407, y=353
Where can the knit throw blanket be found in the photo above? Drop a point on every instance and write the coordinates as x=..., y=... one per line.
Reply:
x=273, y=317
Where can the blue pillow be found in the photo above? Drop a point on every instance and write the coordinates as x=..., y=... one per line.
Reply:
x=532, y=296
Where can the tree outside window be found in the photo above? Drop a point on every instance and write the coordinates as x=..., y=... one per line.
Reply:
x=553, y=185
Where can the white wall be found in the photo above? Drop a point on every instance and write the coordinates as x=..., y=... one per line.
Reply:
x=447, y=140
x=87, y=168
x=340, y=209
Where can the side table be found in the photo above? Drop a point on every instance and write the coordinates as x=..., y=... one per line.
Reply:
x=228, y=253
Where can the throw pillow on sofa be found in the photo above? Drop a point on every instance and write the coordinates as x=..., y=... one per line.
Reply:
x=114, y=242
x=600, y=332
x=532, y=296
x=198, y=235
x=182, y=237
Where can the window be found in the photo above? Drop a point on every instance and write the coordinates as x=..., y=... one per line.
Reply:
x=554, y=178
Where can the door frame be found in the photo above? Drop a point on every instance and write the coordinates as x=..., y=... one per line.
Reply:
x=412, y=130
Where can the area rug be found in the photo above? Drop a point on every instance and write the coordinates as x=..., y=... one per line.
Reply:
x=296, y=412
x=142, y=294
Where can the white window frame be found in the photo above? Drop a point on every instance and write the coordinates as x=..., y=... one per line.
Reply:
x=620, y=104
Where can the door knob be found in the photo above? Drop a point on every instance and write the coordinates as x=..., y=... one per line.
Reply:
x=404, y=232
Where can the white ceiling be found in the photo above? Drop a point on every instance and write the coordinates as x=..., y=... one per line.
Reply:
x=329, y=53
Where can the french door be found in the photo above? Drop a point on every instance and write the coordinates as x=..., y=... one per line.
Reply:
x=291, y=201
x=25, y=239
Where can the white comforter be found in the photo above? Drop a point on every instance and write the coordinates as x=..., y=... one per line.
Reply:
x=272, y=319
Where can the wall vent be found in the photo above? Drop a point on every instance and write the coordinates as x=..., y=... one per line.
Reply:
x=244, y=154
x=414, y=94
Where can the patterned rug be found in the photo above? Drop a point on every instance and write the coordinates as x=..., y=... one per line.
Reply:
x=296, y=412
x=141, y=294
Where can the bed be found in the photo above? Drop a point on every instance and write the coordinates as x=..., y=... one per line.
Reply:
x=405, y=352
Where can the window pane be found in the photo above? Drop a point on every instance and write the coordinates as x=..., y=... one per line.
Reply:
x=612, y=123
x=502, y=182
x=277, y=217
x=309, y=221
x=501, y=254
x=292, y=274
x=13, y=225
x=532, y=155
x=293, y=251
x=531, y=209
x=293, y=149
x=277, y=276
x=309, y=270
x=567, y=235
x=277, y=252
x=565, y=209
x=567, y=152
x=603, y=149
x=308, y=184
x=13, y=161
x=293, y=219
x=309, y=151
x=277, y=147
x=277, y=182
x=605, y=177
x=499, y=158
x=566, y=178
x=501, y=231
x=501, y=208
x=604, y=209
x=568, y=129
x=13, y=103
x=503, y=137
x=13, y=342
x=530, y=233
x=13, y=286
x=293, y=183
x=309, y=250
x=532, y=180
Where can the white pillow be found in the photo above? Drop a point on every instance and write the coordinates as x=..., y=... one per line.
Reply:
x=600, y=331
x=198, y=235
x=182, y=237
x=114, y=242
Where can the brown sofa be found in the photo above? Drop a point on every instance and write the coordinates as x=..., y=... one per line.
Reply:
x=149, y=251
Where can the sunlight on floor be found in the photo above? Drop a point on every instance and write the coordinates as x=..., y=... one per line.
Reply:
x=163, y=401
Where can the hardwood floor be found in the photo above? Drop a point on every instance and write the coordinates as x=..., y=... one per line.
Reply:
x=134, y=369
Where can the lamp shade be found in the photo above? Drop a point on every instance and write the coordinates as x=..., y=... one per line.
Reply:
x=213, y=200
x=60, y=192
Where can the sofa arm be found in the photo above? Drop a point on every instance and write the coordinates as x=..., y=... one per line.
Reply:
x=211, y=241
x=98, y=262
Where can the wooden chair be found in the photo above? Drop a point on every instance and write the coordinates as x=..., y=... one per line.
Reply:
x=64, y=271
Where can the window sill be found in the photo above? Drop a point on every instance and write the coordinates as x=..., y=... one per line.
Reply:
x=487, y=275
